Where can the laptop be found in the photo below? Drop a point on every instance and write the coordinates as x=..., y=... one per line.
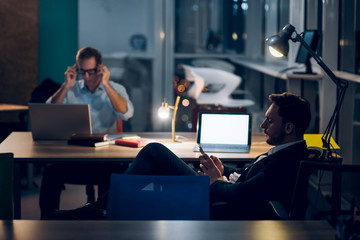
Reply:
x=224, y=132
x=58, y=121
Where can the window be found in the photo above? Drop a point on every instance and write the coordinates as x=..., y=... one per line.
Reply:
x=210, y=26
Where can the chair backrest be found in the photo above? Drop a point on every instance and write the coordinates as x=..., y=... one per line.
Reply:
x=335, y=198
x=143, y=197
x=223, y=84
x=299, y=202
x=213, y=63
x=6, y=186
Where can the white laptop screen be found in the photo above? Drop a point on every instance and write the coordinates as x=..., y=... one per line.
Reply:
x=224, y=128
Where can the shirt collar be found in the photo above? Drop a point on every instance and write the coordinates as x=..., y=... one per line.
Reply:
x=282, y=146
x=84, y=88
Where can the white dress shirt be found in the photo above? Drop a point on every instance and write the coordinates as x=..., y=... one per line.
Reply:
x=104, y=118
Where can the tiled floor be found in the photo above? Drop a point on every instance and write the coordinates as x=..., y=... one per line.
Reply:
x=74, y=196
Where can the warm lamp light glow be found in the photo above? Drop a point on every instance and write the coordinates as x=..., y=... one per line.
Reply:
x=164, y=112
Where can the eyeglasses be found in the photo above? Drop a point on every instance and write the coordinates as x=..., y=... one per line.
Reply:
x=89, y=71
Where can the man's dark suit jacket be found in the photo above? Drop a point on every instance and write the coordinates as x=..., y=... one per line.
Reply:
x=271, y=179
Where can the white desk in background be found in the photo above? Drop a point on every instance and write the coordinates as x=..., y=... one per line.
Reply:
x=279, y=70
x=305, y=85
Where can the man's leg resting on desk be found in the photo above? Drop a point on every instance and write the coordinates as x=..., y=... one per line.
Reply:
x=153, y=159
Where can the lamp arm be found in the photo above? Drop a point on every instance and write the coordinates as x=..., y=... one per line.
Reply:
x=175, y=107
x=332, y=76
x=341, y=87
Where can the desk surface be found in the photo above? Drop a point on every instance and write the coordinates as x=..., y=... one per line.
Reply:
x=254, y=230
x=27, y=150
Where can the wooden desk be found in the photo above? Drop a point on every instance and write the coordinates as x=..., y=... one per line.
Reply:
x=28, y=151
x=246, y=230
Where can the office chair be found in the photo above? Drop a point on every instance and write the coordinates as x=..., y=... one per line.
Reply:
x=6, y=186
x=143, y=197
x=222, y=84
x=213, y=63
x=300, y=201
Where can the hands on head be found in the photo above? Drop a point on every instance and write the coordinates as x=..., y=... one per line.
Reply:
x=101, y=71
x=212, y=167
x=70, y=76
x=104, y=73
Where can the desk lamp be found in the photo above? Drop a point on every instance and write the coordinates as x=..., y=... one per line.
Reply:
x=279, y=46
x=164, y=112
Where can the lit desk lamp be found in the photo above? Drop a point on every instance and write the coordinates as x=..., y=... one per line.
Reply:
x=164, y=112
x=279, y=46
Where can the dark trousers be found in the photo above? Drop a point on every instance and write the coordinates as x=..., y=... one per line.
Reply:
x=154, y=159
x=56, y=175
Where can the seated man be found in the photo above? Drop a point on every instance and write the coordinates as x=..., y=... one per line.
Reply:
x=108, y=102
x=247, y=191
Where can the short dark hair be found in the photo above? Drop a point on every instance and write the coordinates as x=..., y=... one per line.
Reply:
x=88, y=52
x=294, y=109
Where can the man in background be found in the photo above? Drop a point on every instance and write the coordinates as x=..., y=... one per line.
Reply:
x=108, y=100
x=109, y=103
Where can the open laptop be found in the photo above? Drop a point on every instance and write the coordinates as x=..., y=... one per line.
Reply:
x=224, y=132
x=58, y=121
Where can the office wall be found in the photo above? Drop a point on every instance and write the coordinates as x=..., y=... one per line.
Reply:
x=18, y=50
x=58, y=37
x=109, y=25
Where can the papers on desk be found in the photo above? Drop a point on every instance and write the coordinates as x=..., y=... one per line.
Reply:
x=111, y=137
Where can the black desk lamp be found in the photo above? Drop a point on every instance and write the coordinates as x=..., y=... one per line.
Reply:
x=279, y=46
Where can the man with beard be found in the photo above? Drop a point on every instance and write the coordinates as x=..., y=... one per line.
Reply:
x=246, y=191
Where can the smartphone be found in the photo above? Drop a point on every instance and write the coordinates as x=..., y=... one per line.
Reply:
x=200, y=148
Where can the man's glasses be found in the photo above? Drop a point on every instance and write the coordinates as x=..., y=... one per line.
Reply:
x=89, y=71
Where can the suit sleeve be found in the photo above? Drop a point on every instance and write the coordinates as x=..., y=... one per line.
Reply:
x=272, y=179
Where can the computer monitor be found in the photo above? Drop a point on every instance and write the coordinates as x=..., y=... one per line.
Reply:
x=311, y=37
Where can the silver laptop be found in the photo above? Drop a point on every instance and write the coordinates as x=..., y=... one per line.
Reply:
x=224, y=132
x=58, y=121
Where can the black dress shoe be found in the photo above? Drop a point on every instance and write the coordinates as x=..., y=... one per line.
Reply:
x=87, y=212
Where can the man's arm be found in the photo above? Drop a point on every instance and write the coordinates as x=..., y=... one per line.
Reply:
x=119, y=103
x=70, y=78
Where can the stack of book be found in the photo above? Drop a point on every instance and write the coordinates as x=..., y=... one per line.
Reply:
x=91, y=140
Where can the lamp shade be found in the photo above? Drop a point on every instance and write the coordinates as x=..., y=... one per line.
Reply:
x=280, y=42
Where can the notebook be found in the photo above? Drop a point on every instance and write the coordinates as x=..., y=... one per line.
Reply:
x=224, y=132
x=58, y=121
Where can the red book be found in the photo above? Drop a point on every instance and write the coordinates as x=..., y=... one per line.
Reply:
x=139, y=142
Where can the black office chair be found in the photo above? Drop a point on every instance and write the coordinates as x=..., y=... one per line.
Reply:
x=299, y=200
